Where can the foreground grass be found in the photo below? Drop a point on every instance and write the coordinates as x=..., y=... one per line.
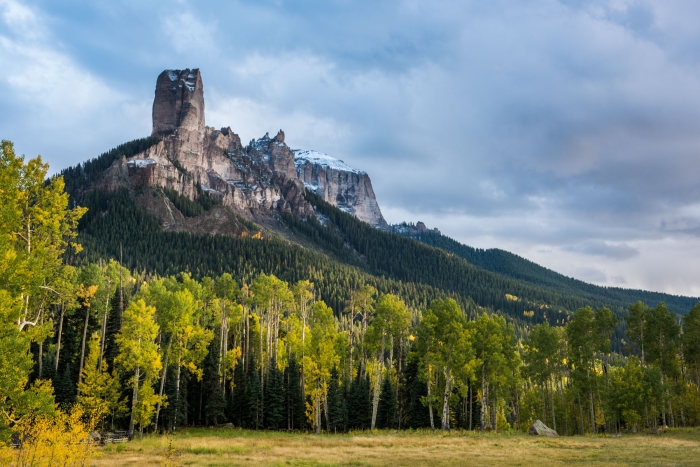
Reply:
x=219, y=447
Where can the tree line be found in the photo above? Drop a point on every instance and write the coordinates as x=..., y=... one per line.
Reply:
x=151, y=353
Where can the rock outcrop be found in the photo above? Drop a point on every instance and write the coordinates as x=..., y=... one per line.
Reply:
x=179, y=102
x=413, y=230
x=193, y=159
x=340, y=185
x=254, y=181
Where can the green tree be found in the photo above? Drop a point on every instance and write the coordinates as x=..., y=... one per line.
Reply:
x=320, y=360
x=444, y=348
x=36, y=228
x=139, y=354
x=389, y=325
x=98, y=390
x=691, y=342
x=637, y=324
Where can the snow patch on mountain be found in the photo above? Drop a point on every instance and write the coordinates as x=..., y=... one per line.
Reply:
x=324, y=160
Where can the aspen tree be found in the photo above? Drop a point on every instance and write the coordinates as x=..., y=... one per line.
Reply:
x=139, y=354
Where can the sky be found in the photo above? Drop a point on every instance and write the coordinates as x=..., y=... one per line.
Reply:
x=567, y=132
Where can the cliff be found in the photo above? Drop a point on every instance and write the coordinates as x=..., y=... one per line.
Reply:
x=254, y=181
x=340, y=185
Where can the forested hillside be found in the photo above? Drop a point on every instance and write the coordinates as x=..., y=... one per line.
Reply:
x=516, y=267
x=130, y=327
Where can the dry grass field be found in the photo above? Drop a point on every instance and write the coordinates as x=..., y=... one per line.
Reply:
x=223, y=447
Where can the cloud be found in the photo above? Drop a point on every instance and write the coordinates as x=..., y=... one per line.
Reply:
x=565, y=131
x=49, y=97
x=596, y=248
x=591, y=274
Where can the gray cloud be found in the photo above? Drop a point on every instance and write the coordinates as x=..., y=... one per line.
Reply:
x=596, y=248
x=539, y=125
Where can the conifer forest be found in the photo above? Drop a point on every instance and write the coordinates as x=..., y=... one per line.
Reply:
x=110, y=320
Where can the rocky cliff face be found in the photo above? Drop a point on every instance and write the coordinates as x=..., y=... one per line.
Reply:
x=255, y=181
x=179, y=102
x=340, y=185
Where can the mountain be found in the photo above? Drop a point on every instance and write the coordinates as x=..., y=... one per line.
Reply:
x=193, y=198
x=521, y=269
x=189, y=161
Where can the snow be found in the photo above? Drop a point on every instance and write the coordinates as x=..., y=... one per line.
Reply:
x=189, y=85
x=312, y=187
x=173, y=75
x=138, y=163
x=324, y=160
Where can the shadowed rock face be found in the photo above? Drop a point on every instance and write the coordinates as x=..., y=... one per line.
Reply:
x=179, y=102
x=340, y=185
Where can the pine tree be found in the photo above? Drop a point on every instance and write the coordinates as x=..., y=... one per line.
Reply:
x=114, y=319
x=359, y=404
x=215, y=404
x=294, y=402
x=419, y=416
x=65, y=387
x=254, y=398
x=236, y=405
x=337, y=410
x=274, y=399
x=386, y=411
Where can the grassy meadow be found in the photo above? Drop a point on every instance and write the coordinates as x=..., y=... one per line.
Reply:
x=222, y=446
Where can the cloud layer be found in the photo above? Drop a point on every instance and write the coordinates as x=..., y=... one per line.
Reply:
x=565, y=131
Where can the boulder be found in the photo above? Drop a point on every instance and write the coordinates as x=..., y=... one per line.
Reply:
x=540, y=429
x=96, y=438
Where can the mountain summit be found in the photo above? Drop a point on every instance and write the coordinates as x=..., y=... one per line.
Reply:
x=255, y=181
x=340, y=185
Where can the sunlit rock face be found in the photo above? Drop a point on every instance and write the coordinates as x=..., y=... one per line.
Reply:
x=340, y=185
x=193, y=159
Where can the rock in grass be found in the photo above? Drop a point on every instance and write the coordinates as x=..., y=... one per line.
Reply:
x=540, y=429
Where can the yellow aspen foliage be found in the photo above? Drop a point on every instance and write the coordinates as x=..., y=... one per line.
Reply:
x=45, y=440
x=99, y=390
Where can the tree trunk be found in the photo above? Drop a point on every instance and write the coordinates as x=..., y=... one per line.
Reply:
x=375, y=397
x=317, y=417
x=377, y=385
x=590, y=404
x=580, y=408
x=134, y=401
x=303, y=354
x=104, y=331
x=325, y=410
x=551, y=402
x=430, y=407
x=471, y=405
x=177, y=389
x=82, y=347
x=544, y=408
x=60, y=333
x=482, y=414
x=41, y=352
x=351, y=349
x=162, y=381
x=446, y=402
x=398, y=382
